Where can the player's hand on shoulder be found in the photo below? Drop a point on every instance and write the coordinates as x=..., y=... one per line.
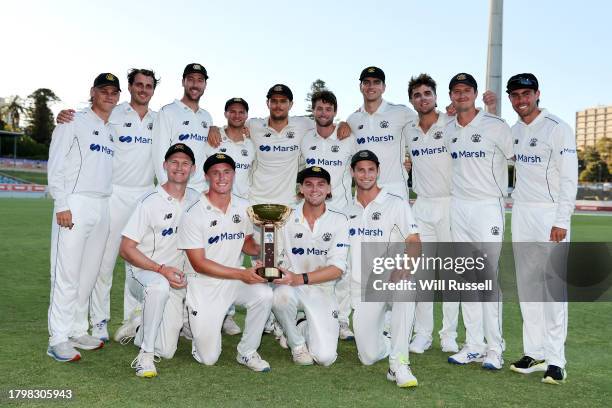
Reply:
x=450, y=110
x=64, y=219
x=344, y=130
x=175, y=277
x=246, y=132
x=214, y=136
x=489, y=98
x=65, y=116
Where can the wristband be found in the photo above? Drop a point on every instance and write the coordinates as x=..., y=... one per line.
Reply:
x=160, y=268
x=305, y=277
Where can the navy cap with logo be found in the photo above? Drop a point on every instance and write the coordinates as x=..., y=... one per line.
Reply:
x=463, y=78
x=314, y=171
x=364, y=155
x=180, y=148
x=280, y=89
x=522, y=81
x=372, y=72
x=106, y=79
x=194, y=68
x=218, y=158
x=237, y=100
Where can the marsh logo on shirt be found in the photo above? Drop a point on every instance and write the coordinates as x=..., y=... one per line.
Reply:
x=327, y=237
x=375, y=139
x=376, y=216
x=276, y=148
x=290, y=134
x=135, y=139
x=428, y=150
x=468, y=154
x=226, y=236
x=94, y=147
x=367, y=232
x=310, y=162
x=167, y=232
x=567, y=151
x=335, y=148
x=438, y=135
x=192, y=136
x=476, y=138
x=384, y=124
x=236, y=218
x=308, y=251
x=533, y=142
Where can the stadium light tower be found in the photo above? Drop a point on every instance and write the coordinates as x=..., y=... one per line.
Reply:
x=494, y=55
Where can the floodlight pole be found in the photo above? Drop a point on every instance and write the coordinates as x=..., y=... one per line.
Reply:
x=494, y=55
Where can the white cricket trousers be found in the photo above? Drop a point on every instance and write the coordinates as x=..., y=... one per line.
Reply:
x=368, y=326
x=433, y=218
x=342, y=292
x=481, y=222
x=75, y=262
x=122, y=203
x=545, y=322
x=208, y=300
x=319, y=304
x=162, y=311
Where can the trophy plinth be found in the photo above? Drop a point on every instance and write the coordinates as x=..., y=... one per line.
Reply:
x=269, y=217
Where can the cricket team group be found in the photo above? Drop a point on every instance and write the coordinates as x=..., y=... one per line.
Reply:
x=184, y=240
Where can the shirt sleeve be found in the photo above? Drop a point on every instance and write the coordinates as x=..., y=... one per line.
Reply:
x=338, y=253
x=406, y=222
x=62, y=140
x=137, y=224
x=191, y=233
x=503, y=140
x=162, y=139
x=565, y=158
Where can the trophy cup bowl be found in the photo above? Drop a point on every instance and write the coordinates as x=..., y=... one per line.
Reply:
x=269, y=217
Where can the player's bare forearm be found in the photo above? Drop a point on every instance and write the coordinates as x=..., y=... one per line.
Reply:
x=129, y=251
x=325, y=274
x=205, y=266
x=557, y=234
x=413, y=245
x=250, y=247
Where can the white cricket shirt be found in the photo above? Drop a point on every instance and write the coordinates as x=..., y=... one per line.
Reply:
x=546, y=164
x=334, y=156
x=431, y=161
x=479, y=153
x=381, y=132
x=175, y=123
x=243, y=153
x=154, y=224
x=274, y=174
x=303, y=250
x=80, y=159
x=220, y=234
x=387, y=218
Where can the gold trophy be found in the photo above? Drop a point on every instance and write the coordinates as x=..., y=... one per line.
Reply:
x=269, y=217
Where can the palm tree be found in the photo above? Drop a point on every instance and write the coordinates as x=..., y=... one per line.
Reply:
x=13, y=111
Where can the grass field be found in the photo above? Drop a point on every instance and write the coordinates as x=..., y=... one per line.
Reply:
x=104, y=377
x=29, y=176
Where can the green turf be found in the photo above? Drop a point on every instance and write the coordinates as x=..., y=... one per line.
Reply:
x=29, y=176
x=104, y=377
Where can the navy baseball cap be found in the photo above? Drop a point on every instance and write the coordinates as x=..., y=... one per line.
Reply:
x=314, y=171
x=236, y=100
x=280, y=89
x=180, y=148
x=364, y=155
x=195, y=68
x=372, y=72
x=218, y=158
x=106, y=79
x=522, y=81
x=463, y=78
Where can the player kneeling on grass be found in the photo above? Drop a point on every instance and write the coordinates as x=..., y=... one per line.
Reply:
x=155, y=273
x=314, y=256
x=213, y=233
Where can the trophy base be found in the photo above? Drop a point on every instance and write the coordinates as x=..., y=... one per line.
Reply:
x=269, y=273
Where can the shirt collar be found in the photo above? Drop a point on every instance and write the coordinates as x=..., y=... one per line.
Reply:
x=381, y=109
x=210, y=207
x=475, y=122
x=543, y=113
x=185, y=107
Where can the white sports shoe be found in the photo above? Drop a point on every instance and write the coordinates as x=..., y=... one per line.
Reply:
x=127, y=331
x=144, y=363
x=230, y=327
x=254, y=362
x=86, y=342
x=301, y=355
x=493, y=361
x=100, y=330
x=466, y=356
x=402, y=375
x=63, y=352
x=449, y=345
x=279, y=334
x=269, y=327
x=345, y=332
x=419, y=344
